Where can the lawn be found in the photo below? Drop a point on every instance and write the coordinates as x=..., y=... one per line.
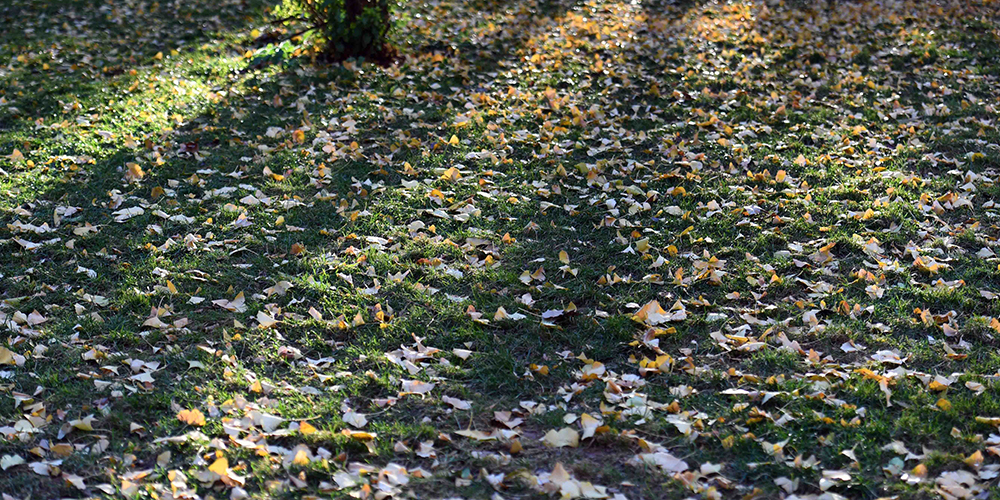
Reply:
x=568, y=249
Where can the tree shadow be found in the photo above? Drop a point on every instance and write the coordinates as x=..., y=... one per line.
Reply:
x=218, y=131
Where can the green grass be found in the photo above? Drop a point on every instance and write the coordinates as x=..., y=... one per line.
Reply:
x=670, y=148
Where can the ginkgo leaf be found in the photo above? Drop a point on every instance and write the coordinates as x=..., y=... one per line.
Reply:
x=355, y=419
x=191, y=417
x=563, y=257
x=134, y=172
x=83, y=424
x=654, y=314
x=417, y=387
x=664, y=460
x=8, y=357
x=238, y=304
x=477, y=435
x=567, y=436
x=458, y=404
x=74, y=480
x=589, y=425
x=266, y=421
x=8, y=461
x=265, y=320
x=220, y=466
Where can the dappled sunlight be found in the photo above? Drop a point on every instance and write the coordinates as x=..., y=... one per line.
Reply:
x=94, y=95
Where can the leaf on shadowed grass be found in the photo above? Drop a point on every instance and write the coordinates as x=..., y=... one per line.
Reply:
x=127, y=213
x=63, y=450
x=8, y=461
x=238, y=304
x=567, y=436
x=355, y=419
x=134, y=172
x=74, y=481
x=8, y=357
x=83, y=424
x=416, y=387
x=477, y=435
x=589, y=424
x=664, y=460
x=279, y=288
x=459, y=404
x=653, y=314
x=265, y=320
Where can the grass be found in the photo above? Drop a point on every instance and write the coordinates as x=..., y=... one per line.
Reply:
x=568, y=162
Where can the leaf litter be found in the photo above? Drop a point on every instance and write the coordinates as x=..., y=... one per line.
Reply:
x=580, y=249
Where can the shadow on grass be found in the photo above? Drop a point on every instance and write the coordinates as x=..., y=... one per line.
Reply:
x=210, y=132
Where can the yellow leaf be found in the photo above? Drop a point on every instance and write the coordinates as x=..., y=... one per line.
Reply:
x=515, y=447
x=134, y=172
x=936, y=386
x=653, y=314
x=452, y=174
x=563, y=257
x=62, y=449
x=84, y=424
x=500, y=315
x=192, y=417
x=220, y=467
x=271, y=174
x=359, y=435
x=301, y=458
x=306, y=428
x=974, y=460
x=642, y=245
x=6, y=356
